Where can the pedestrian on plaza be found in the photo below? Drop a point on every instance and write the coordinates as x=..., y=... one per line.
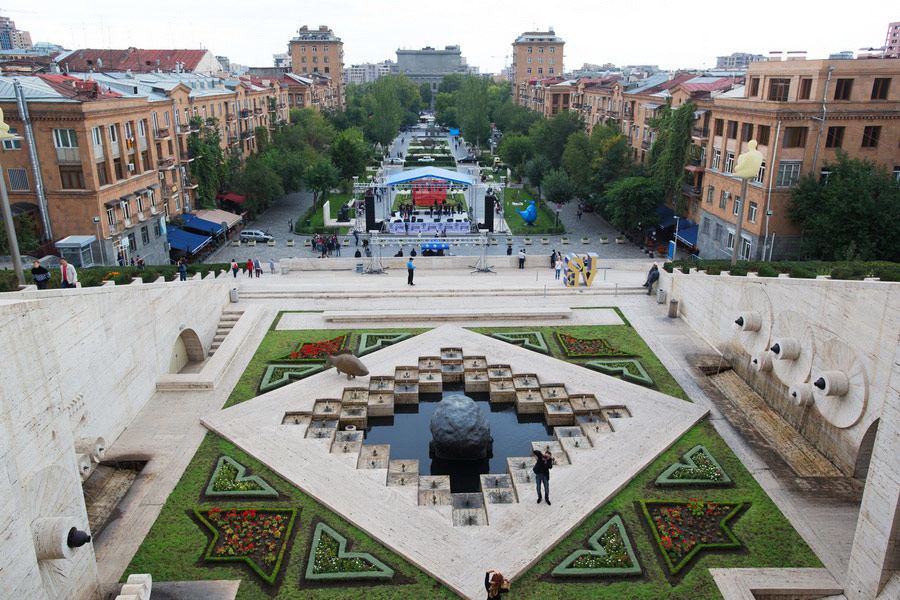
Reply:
x=234, y=268
x=509, y=249
x=553, y=260
x=558, y=267
x=271, y=266
x=337, y=247
x=356, y=237
x=140, y=263
x=257, y=266
x=290, y=225
x=580, y=211
x=652, y=277
x=69, y=276
x=121, y=259
x=495, y=584
x=541, y=469
x=40, y=275
x=182, y=270
x=358, y=254
x=249, y=267
x=410, y=268
x=368, y=252
x=413, y=252
x=522, y=258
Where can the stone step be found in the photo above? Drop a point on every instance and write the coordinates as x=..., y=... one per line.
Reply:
x=287, y=294
x=446, y=315
x=220, y=337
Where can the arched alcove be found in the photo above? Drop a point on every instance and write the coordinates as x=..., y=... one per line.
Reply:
x=188, y=348
x=864, y=454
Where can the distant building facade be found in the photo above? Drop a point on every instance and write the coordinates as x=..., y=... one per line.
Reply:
x=11, y=37
x=429, y=65
x=892, y=41
x=738, y=60
x=368, y=72
x=139, y=60
x=536, y=55
x=319, y=51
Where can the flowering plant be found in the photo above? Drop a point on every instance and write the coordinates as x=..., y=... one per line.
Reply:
x=574, y=346
x=316, y=351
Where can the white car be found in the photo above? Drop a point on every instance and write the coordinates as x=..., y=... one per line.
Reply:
x=426, y=159
x=255, y=235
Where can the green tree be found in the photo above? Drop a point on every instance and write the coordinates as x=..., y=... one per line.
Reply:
x=577, y=159
x=612, y=163
x=350, y=153
x=204, y=146
x=512, y=118
x=445, y=112
x=558, y=187
x=450, y=83
x=856, y=209
x=536, y=169
x=262, y=138
x=672, y=148
x=320, y=177
x=385, y=110
x=474, y=110
x=515, y=150
x=312, y=128
x=258, y=183
x=631, y=203
x=425, y=93
x=26, y=235
x=551, y=135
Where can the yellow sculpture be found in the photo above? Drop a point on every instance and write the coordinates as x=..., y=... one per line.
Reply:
x=580, y=267
x=4, y=128
x=749, y=162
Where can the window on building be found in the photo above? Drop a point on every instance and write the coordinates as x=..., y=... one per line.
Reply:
x=529, y=70
x=132, y=242
x=111, y=217
x=315, y=59
x=325, y=48
x=754, y=87
x=65, y=138
x=529, y=60
x=166, y=118
x=744, y=252
x=327, y=69
x=551, y=70
x=729, y=162
x=729, y=240
x=102, y=175
x=540, y=70
x=325, y=59
x=71, y=178
x=117, y=166
x=719, y=127
x=795, y=137
x=805, y=88
x=871, y=134
x=704, y=225
x=717, y=236
x=747, y=131
x=723, y=199
x=129, y=131
x=788, y=174
x=880, y=88
x=751, y=212
x=710, y=194
x=762, y=135
x=304, y=69
x=760, y=177
x=114, y=133
x=157, y=230
x=732, y=130
x=529, y=49
x=551, y=60
x=12, y=144
x=18, y=180
x=314, y=48
x=540, y=50
x=842, y=89
x=552, y=49
x=717, y=157
x=835, y=137
x=778, y=89
x=897, y=172
x=737, y=205
x=145, y=235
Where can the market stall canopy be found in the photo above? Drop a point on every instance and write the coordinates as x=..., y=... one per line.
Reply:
x=188, y=242
x=236, y=198
x=219, y=216
x=192, y=221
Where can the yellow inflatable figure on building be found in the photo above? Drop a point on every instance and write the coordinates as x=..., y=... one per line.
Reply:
x=580, y=267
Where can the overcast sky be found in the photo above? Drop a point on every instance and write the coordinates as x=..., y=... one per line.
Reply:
x=670, y=34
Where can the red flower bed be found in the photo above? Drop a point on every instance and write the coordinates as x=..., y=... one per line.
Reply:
x=574, y=346
x=257, y=537
x=316, y=351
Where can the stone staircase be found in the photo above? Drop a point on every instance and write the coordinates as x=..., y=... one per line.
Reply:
x=226, y=322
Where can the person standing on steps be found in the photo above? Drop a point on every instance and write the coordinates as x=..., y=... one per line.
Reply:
x=356, y=236
x=234, y=268
x=553, y=260
x=522, y=258
x=257, y=267
x=249, y=267
x=410, y=268
x=68, y=275
x=509, y=249
x=558, y=267
x=652, y=277
x=271, y=266
x=182, y=270
x=541, y=469
x=40, y=275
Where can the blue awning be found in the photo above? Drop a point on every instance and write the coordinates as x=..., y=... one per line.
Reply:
x=689, y=235
x=666, y=216
x=188, y=242
x=192, y=221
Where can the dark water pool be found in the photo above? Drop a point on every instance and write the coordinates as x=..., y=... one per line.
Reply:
x=408, y=433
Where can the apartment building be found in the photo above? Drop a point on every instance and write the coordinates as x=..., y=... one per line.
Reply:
x=368, y=72
x=319, y=51
x=738, y=60
x=429, y=65
x=12, y=37
x=112, y=151
x=537, y=55
x=892, y=41
x=801, y=113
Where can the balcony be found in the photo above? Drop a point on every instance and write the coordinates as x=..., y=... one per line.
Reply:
x=257, y=111
x=229, y=117
x=695, y=165
x=189, y=184
x=186, y=129
x=161, y=134
x=245, y=113
x=690, y=190
x=166, y=162
x=232, y=139
x=141, y=216
x=645, y=144
x=154, y=210
x=701, y=133
x=126, y=222
x=68, y=155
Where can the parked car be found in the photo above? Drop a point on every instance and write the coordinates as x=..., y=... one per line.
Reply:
x=255, y=235
x=468, y=159
x=426, y=159
x=395, y=161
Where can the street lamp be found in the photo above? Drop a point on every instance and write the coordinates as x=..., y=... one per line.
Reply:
x=96, y=221
x=7, y=211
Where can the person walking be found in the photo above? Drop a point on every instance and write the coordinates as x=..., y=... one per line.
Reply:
x=558, y=267
x=290, y=225
x=182, y=270
x=522, y=258
x=40, y=275
x=652, y=277
x=579, y=212
x=249, y=267
x=271, y=266
x=410, y=269
x=553, y=260
x=69, y=276
x=541, y=469
x=509, y=249
x=495, y=584
x=356, y=236
x=337, y=247
x=257, y=267
x=234, y=268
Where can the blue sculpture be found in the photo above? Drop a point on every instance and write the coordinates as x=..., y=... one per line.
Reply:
x=529, y=215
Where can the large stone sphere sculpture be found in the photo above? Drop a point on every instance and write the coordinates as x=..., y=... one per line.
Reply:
x=459, y=430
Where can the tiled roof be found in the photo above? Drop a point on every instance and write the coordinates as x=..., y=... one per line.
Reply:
x=78, y=89
x=135, y=59
x=708, y=84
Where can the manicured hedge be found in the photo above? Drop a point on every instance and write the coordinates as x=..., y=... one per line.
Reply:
x=859, y=270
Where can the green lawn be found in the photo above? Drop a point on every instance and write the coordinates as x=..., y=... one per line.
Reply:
x=517, y=199
x=174, y=547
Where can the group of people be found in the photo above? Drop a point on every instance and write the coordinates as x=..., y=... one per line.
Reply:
x=325, y=245
x=135, y=262
x=252, y=267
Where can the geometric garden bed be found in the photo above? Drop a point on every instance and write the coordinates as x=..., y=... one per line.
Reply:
x=698, y=468
x=330, y=561
x=611, y=554
x=629, y=369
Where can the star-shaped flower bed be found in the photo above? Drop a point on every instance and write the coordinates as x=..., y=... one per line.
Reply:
x=329, y=559
x=257, y=537
x=229, y=479
x=533, y=340
x=684, y=529
x=629, y=369
x=699, y=468
x=315, y=351
x=611, y=555
x=595, y=347
x=277, y=375
x=370, y=342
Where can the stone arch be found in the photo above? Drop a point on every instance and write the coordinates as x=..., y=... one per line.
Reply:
x=187, y=348
x=864, y=454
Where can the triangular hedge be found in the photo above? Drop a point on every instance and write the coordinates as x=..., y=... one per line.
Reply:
x=277, y=375
x=698, y=468
x=629, y=369
x=533, y=340
x=370, y=342
x=611, y=554
x=329, y=559
x=230, y=473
